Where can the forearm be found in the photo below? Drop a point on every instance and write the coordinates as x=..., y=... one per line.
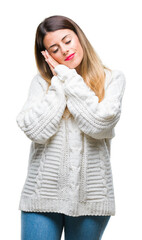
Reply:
x=41, y=114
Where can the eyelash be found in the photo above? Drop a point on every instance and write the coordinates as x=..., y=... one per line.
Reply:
x=66, y=43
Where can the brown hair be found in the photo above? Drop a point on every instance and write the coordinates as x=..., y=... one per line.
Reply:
x=91, y=67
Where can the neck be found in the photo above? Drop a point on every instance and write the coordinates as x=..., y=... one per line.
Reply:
x=78, y=69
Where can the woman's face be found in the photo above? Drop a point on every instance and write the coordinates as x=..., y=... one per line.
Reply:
x=62, y=43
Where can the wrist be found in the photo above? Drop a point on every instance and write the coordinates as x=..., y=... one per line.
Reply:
x=61, y=71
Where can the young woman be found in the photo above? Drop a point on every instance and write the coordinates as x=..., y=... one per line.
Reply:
x=73, y=105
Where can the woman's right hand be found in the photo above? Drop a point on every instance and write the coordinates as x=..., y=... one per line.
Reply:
x=51, y=62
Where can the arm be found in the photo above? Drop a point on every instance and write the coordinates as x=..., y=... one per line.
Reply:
x=94, y=119
x=41, y=114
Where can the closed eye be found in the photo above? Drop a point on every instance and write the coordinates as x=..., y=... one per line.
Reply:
x=68, y=42
x=57, y=49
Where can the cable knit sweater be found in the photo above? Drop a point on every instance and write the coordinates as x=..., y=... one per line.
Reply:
x=69, y=169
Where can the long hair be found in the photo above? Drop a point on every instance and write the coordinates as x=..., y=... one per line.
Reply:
x=91, y=67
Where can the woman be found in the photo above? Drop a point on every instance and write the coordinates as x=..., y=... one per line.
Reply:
x=73, y=105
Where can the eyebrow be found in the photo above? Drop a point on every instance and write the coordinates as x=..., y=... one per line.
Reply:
x=56, y=44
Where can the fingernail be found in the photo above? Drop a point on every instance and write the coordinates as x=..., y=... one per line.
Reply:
x=46, y=51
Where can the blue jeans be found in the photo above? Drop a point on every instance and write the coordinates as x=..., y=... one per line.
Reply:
x=49, y=226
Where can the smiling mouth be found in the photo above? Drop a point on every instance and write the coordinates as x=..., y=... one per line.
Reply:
x=70, y=57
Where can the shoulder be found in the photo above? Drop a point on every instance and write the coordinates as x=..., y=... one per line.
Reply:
x=115, y=76
x=39, y=80
x=116, y=73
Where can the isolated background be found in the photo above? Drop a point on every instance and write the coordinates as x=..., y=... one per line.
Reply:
x=114, y=29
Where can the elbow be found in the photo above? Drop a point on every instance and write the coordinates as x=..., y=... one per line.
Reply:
x=101, y=129
x=101, y=133
x=105, y=133
x=38, y=140
x=38, y=135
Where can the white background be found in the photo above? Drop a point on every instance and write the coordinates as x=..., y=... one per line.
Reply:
x=114, y=29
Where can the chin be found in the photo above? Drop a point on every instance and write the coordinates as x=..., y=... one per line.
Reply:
x=74, y=66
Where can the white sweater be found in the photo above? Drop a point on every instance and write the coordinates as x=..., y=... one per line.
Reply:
x=69, y=169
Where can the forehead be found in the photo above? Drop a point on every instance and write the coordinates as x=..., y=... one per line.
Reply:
x=57, y=35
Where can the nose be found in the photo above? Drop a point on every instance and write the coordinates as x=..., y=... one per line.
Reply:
x=64, y=49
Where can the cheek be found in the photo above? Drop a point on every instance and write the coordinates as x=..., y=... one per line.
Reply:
x=80, y=51
x=78, y=47
x=56, y=57
x=74, y=44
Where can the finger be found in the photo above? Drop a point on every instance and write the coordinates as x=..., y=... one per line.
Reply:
x=52, y=60
x=43, y=53
x=52, y=69
x=49, y=62
x=47, y=53
x=49, y=59
x=46, y=58
x=50, y=65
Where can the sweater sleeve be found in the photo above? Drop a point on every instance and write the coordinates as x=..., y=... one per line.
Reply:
x=93, y=118
x=40, y=116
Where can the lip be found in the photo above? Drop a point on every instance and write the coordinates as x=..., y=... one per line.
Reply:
x=70, y=57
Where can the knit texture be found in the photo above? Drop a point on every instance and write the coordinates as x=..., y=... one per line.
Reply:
x=69, y=169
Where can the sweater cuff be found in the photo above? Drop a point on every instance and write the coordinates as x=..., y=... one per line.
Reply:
x=63, y=72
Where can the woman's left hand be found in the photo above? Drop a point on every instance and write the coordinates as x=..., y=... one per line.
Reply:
x=50, y=60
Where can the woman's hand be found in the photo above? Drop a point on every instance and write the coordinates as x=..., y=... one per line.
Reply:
x=50, y=60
